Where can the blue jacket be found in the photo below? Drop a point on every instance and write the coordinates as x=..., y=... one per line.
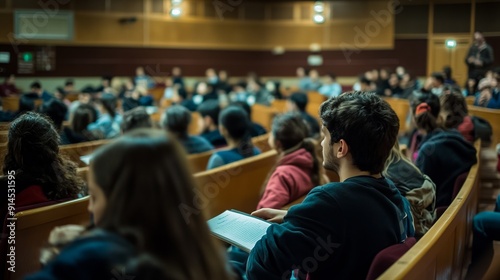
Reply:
x=443, y=156
x=494, y=102
x=335, y=232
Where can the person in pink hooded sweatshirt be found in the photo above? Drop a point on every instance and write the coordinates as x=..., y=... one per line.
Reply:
x=298, y=169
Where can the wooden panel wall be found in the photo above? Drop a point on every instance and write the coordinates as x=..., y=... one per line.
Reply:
x=288, y=24
x=81, y=61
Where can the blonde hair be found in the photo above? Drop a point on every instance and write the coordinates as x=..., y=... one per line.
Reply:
x=395, y=156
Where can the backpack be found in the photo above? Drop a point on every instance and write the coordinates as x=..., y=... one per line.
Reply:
x=482, y=130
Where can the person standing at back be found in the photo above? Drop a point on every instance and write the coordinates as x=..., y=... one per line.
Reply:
x=480, y=56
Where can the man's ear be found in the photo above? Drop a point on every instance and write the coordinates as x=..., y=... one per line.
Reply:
x=223, y=131
x=342, y=150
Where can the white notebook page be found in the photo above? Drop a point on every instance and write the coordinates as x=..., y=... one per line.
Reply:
x=239, y=229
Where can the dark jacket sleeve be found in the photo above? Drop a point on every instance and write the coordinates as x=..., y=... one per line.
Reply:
x=488, y=57
x=305, y=233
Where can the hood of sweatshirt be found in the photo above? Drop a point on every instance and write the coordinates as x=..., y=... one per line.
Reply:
x=300, y=158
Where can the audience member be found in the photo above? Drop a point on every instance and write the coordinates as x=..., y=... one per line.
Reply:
x=257, y=94
x=485, y=229
x=209, y=111
x=417, y=187
x=255, y=128
x=69, y=86
x=211, y=77
x=60, y=94
x=8, y=87
x=80, y=119
x=176, y=121
x=136, y=118
x=177, y=78
x=454, y=114
x=56, y=110
x=394, y=89
x=434, y=84
x=488, y=95
x=109, y=120
x=234, y=125
x=350, y=121
x=443, y=154
x=298, y=169
x=330, y=88
x=448, y=78
x=313, y=83
x=297, y=102
x=303, y=76
x=151, y=179
x=41, y=173
x=142, y=79
x=38, y=93
x=471, y=87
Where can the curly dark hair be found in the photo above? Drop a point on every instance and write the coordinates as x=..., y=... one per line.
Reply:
x=33, y=152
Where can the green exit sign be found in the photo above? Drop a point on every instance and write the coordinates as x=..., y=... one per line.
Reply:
x=27, y=57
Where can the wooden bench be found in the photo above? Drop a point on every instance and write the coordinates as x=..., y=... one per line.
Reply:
x=75, y=151
x=402, y=108
x=279, y=105
x=263, y=115
x=315, y=100
x=233, y=186
x=441, y=252
x=34, y=226
x=4, y=126
x=492, y=116
x=470, y=100
x=10, y=103
x=4, y=136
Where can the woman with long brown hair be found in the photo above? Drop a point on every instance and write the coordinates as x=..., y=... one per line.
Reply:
x=298, y=170
x=41, y=174
x=140, y=187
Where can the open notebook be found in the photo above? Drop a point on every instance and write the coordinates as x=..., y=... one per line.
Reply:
x=239, y=229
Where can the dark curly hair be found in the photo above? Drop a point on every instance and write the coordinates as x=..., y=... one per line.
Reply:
x=33, y=152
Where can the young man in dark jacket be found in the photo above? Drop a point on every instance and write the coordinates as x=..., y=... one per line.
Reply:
x=340, y=227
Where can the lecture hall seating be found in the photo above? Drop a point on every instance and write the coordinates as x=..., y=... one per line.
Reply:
x=401, y=107
x=33, y=227
x=75, y=151
x=263, y=115
x=198, y=162
x=234, y=186
x=441, y=252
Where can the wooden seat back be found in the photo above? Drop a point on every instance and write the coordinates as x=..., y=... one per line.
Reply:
x=402, y=108
x=233, y=186
x=470, y=100
x=263, y=115
x=199, y=162
x=75, y=151
x=10, y=103
x=279, y=105
x=492, y=116
x=34, y=226
x=157, y=94
x=4, y=136
x=441, y=252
